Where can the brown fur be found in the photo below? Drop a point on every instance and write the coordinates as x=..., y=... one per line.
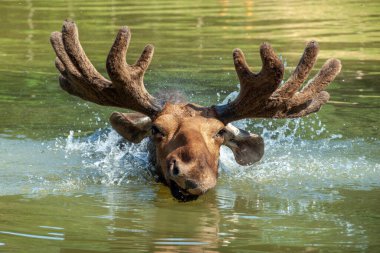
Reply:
x=189, y=140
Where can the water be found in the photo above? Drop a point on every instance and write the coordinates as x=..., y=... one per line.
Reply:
x=69, y=184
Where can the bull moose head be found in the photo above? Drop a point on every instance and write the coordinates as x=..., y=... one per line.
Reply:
x=188, y=136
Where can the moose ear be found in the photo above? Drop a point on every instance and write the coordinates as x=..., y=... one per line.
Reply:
x=247, y=148
x=132, y=126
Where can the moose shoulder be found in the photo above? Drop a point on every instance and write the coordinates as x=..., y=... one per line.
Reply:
x=187, y=136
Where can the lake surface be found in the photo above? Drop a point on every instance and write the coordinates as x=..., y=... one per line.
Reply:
x=66, y=186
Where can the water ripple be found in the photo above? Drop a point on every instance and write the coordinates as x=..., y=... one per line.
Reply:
x=33, y=236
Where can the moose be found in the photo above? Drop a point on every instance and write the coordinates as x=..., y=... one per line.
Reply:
x=187, y=137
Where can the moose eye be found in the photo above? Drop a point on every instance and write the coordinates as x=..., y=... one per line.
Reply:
x=157, y=132
x=220, y=133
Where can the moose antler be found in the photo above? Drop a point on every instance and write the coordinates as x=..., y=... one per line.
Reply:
x=80, y=78
x=260, y=95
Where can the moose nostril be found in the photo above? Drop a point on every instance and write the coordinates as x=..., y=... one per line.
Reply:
x=173, y=167
x=175, y=170
x=189, y=184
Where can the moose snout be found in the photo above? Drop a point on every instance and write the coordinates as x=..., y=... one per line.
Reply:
x=178, y=171
x=190, y=185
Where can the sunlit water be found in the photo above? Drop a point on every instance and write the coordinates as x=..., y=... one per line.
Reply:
x=69, y=183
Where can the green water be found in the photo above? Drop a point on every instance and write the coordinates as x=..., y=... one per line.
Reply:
x=65, y=186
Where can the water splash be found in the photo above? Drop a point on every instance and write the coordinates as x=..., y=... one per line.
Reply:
x=292, y=165
x=107, y=158
x=298, y=162
x=301, y=157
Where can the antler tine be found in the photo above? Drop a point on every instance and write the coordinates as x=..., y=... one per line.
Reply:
x=80, y=78
x=255, y=89
x=272, y=69
x=308, y=107
x=75, y=51
x=63, y=61
x=72, y=80
x=313, y=96
x=299, y=75
x=260, y=96
x=128, y=79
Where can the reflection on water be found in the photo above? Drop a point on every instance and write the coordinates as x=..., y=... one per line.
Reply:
x=33, y=236
x=124, y=218
x=70, y=184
